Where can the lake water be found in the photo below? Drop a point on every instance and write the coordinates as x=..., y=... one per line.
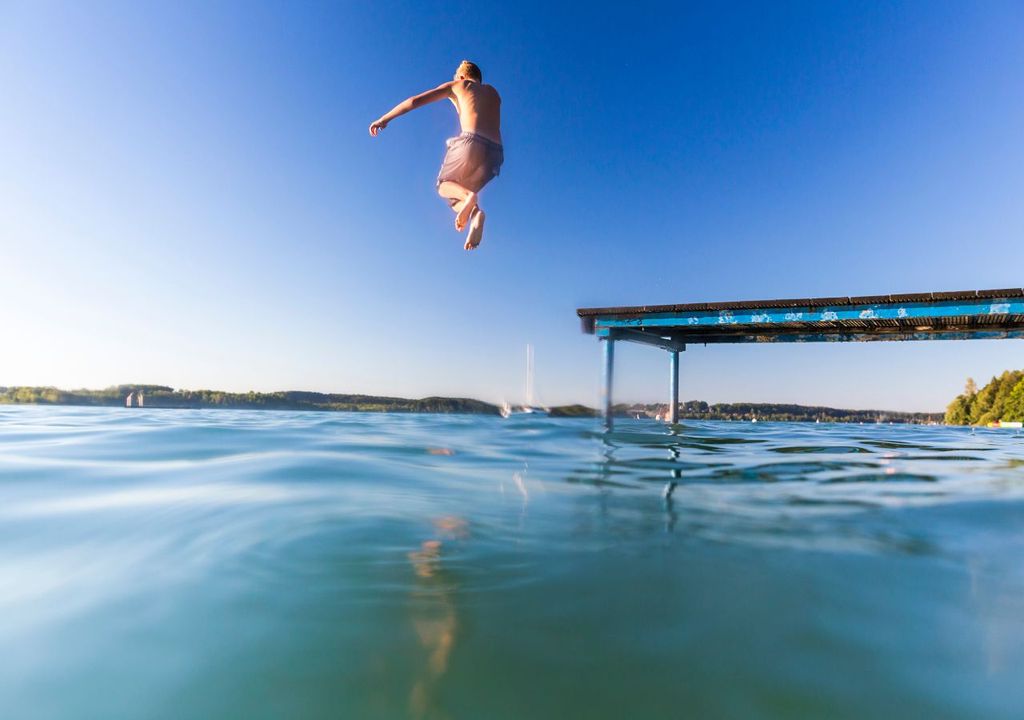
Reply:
x=235, y=564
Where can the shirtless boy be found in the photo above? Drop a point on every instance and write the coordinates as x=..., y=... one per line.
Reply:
x=474, y=157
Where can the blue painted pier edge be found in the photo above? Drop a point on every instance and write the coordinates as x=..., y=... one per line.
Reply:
x=962, y=315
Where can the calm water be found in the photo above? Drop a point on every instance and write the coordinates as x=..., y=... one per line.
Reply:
x=231, y=564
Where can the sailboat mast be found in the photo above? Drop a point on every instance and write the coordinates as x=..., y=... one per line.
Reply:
x=529, y=375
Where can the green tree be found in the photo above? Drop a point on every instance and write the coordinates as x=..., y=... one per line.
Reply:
x=1013, y=408
x=999, y=390
x=983, y=401
x=958, y=412
x=1007, y=382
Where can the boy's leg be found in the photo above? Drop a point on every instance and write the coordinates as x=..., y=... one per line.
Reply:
x=462, y=200
x=476, y=230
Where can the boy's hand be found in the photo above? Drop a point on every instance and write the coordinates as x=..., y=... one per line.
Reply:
x=377, y=125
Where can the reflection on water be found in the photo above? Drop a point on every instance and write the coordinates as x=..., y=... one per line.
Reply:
x=434, y=614
x=261, y=564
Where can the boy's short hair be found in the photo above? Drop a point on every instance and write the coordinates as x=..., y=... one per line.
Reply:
x=470, y=70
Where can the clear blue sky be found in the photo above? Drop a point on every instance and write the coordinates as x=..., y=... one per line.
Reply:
x=189, y=196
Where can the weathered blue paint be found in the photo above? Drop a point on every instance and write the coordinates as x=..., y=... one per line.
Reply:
x=990, y=309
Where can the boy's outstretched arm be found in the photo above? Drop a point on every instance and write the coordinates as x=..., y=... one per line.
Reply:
x=424, y=98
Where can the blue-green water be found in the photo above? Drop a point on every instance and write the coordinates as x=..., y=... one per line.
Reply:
x=172, y=564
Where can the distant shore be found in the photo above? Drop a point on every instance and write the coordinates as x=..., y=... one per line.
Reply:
x=161, y=396
x=777, y=412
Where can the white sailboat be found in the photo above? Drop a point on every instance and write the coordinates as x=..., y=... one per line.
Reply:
x=528, y=407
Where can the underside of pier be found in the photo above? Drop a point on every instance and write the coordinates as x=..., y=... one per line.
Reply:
x=963, y=315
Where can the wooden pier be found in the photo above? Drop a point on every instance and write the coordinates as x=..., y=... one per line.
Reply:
x=966, y=315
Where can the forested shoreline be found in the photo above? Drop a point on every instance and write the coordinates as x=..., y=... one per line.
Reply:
x=161, y=396
x=764, y=412
x=785, y=412
x=1001, y=400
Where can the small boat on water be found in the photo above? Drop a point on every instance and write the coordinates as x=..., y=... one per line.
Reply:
x=528, y=408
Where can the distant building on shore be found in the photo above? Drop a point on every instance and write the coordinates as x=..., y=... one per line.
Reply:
x=128, y=400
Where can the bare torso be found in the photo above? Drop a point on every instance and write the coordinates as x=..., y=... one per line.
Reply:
x=479, y=108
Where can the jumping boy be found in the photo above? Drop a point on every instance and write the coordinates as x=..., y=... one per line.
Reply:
x=474, y=157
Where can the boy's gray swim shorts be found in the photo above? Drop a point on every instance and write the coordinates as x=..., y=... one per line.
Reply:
x=471, y=161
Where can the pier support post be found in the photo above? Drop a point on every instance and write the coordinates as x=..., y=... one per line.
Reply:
x=609, y=370
x=673, y=384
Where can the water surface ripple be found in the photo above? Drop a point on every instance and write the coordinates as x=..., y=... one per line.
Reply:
x=162, y=563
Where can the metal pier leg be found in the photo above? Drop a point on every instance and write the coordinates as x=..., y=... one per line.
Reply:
x=673, y=383
x=609, y=367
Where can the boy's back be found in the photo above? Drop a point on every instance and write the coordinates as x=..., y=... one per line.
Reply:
x=479, y=108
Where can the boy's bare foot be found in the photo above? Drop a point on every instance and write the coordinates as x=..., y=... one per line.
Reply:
x=476, y=230
x=465, y=211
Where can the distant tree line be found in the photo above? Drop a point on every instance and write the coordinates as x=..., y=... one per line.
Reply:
x=777, y=412
x=976, y=405
x=161, y=396
x=1002, y=399
x=771, y=412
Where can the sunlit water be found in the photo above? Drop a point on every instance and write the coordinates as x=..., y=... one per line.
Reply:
x=173, y=564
